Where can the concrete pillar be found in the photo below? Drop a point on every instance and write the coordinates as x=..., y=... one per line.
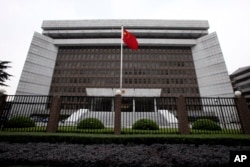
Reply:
x=3, y=99
x=244, y=114
x=117, y=124
x=182, y=116
x=54, y=115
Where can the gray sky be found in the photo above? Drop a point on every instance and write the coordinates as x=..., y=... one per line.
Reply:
x=19, y=19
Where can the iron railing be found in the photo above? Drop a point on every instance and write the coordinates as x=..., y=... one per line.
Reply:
x=139, y=115
x=158, y=111
x=248, y=103
x=86, y=114
x=25, y=113
x=213, y=115
x=148, y=115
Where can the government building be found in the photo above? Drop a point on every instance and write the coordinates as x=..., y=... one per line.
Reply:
x=82, y=58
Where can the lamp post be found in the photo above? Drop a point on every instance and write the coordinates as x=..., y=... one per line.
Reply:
x=118, y=92
x=237, y=93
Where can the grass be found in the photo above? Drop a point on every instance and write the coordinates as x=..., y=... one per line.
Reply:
x=201, y=136
x=244, y=136
x=223, y=131
x=73, y=129
x=30, y=129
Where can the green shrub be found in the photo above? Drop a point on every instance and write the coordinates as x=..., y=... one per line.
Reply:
x=205, y=124
x=194, y=118
x=90, y=123
x=145, y=124
x=19, y=122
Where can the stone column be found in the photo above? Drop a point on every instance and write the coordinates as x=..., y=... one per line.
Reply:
x=54, y=115
x=3, y=99
x=117, y=123
x=244, y=114
x=182, y=116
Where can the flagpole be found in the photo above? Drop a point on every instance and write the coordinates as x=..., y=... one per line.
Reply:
x=121, y=58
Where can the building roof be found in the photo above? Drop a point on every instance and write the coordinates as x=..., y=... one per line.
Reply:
x=93, y=24
x=103, y=32
x=240, y=70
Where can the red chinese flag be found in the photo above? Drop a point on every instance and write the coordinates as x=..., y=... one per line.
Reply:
x=130, y=40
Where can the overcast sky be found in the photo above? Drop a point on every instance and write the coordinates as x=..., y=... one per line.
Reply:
x=19, y=19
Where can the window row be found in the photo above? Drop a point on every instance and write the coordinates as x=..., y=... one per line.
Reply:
x=109, y=56
x=189, y=90
x=162, y=81
x=130, y=64
x=68, y=89
x=171, y=90
x=115, y=48
x=135, y=72
x=101, y=81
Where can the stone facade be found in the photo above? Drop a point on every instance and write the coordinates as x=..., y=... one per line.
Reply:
x=177, y=57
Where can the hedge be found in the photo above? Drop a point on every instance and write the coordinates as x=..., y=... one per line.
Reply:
x=229, y=140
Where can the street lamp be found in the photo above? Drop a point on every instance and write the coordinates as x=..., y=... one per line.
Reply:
x=237, y=93
x=118, y=92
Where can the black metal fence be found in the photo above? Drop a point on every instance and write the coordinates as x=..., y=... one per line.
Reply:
x=25, y=113
x=86, y=114
x=248, y=103
x=139, y=115
x=148, y=115
x=213, y=115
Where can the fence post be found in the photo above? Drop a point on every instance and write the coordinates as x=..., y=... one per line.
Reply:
x=118, y=102
x=3, y=99
x=54, y=114
x=182, y=116
x=244, y=114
